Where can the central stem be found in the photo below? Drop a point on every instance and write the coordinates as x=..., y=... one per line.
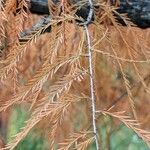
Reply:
x=92, y=92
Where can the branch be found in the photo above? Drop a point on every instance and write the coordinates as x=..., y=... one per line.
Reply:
x=137, y=10
x=25, y=35
x=39, y=6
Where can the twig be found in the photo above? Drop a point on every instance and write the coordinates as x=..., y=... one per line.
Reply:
x=90, y=14
x=92, y=88
x=125, y=94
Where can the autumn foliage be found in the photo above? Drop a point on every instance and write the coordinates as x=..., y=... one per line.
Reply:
x=48, y=74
